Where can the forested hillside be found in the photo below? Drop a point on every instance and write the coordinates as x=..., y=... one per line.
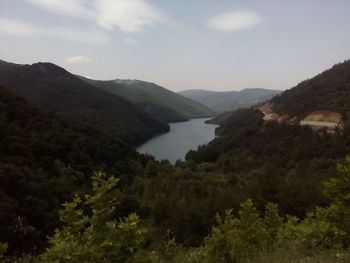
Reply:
x=155, y=100
x=54, y=88
x=44, y=159
x=329, y=90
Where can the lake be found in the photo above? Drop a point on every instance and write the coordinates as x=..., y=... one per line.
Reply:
x=182, y=137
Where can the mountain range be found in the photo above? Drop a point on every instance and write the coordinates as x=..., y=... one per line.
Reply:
x=133, y=112
x=52, y=87
x=46, y=159
x=221, y=101
x=154, y=99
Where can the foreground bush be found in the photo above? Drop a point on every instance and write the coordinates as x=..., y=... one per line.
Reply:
x=236, y=239
x=92, y=234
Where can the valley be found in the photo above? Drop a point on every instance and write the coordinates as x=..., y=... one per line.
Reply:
x=144, y=131
x=247, y=160
x=257, y=154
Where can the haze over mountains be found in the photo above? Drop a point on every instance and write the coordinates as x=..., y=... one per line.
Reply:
x=155, y=100
x=222, y=101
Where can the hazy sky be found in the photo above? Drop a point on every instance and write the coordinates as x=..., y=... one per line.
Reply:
x=180, y=44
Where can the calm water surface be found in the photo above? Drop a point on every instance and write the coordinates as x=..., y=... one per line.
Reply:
x=182, y=137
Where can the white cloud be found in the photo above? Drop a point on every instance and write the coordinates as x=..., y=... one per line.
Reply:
x=88, y=37
x=127, y=15
x=17, y=28
x=129, y=41
x=235, y=21
x=78, y=59
x=75, y=8
x=22, y=29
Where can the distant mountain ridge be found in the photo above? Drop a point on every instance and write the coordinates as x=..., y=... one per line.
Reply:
x=222, y=101
x=52, y=87
x=154, y=99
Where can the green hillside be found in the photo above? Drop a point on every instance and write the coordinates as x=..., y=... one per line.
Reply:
x=155, y=100
x=329, y=90
x=52, y=87
x=222, y=101
x=252, y=149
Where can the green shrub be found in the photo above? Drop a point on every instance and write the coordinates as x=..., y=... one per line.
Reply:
x=95, y=236
x=234, y=239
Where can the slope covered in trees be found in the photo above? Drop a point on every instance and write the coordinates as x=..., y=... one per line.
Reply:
x=52, y=87
x=90, y=232
x=44, y=159
x=155, y=100
x=329, y=90
x=222, y=101
x=284, y=162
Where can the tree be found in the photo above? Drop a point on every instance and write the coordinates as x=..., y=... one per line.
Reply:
x=337, y=214
x=234, y=239
x=91, y=234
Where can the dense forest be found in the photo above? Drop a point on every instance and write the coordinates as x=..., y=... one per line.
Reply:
x=261, y=191
x=44, y=159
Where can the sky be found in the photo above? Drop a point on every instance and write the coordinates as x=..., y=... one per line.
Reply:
x=180, y=44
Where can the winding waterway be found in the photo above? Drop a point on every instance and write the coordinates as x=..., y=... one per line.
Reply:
x=182, y=137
